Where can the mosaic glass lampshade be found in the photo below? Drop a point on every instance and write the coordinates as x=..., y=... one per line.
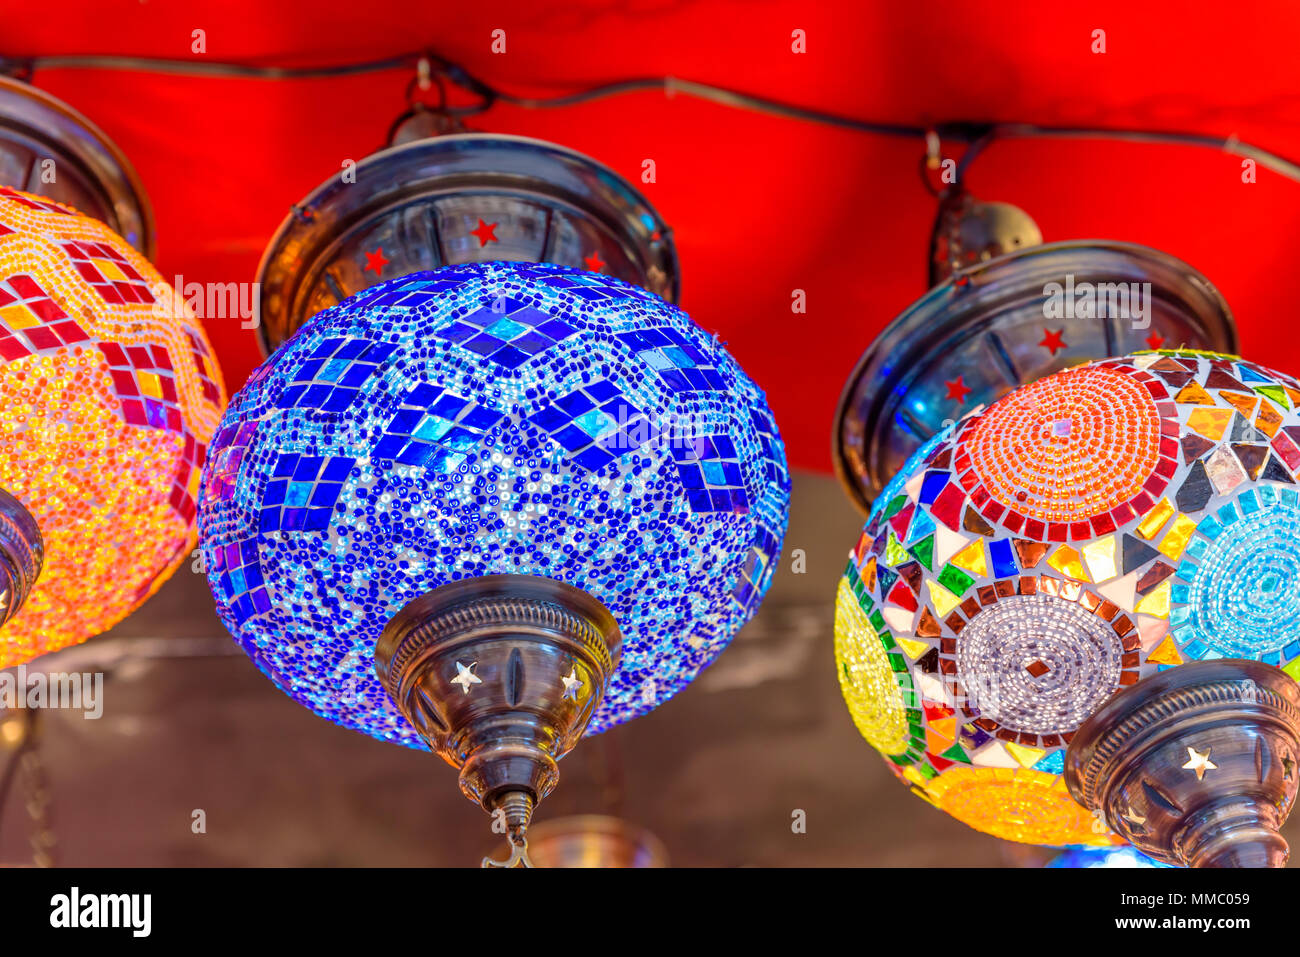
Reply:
x=1127, y=524
x=111, y=393
x=433, y=512
x=992, y=326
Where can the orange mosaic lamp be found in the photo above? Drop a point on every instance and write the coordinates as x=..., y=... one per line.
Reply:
x=109, y=394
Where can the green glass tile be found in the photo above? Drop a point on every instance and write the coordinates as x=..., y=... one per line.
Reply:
x=923, y=552
x=955, y=580
x=956, y=753
x=893, y=508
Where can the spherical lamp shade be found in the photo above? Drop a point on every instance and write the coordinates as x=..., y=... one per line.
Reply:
x=111, y=393
x=529, y=421
x=1081, y=536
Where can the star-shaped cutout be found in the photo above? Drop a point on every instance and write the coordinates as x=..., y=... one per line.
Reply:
x=1200, y=763
x=1137, y=820
x=1288, y=767
x=486, y=233
x=572, y=684
x=376, y=261
x=958, y=390
x=465, y=676
x=594, y=263
x=1052, y=340
x=1155, y=341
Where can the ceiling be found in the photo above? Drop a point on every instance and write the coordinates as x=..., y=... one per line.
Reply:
x=760, y=206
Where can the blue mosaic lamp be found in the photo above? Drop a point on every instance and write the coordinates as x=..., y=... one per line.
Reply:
x=490, y=508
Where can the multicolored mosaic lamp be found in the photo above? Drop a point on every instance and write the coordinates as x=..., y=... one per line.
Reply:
x=110, y=394
x=489, y=508
x=1074, y=618
x=992, y=326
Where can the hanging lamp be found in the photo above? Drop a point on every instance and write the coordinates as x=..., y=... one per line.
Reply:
x=1072, y=617
x=1004, y=310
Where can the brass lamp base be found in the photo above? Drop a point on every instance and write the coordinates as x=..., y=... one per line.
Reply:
x=21, y=554
x=1196, y=765
x=993, y=327
x=500, y=675
x=454, y=199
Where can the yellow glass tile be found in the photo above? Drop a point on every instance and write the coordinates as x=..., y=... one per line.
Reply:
x=1066, y=561
x=109, y=269
x=1156, y=602
x=1179, y=534
x=150, y=384
x=943, y=600
x=1210, y=423
x=1155, y=519
x=915, y=649
x=971, y=558
x=1026, y=755
x=1100, y=557
x=18, y=316
x=924, y=795
x=1166, y=653
x=914, y=776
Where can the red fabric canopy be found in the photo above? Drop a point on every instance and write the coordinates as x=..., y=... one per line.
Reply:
x=760, y=206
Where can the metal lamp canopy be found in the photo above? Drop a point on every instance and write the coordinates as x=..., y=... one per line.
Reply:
x=985, y=331
x=90, y=173
x=453, y=199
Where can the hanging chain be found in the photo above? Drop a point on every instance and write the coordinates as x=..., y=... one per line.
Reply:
x=36, y=796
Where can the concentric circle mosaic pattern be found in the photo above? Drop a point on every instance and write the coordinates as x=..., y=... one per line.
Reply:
x=110, y=393
x=1083, y=532
x=482, y=419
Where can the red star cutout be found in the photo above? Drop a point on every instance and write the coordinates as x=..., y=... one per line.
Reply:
x=486, y=233
x=1155, y=341
x=958, y=390
x=593, y=262
x=376, y=261
x=1052, y=340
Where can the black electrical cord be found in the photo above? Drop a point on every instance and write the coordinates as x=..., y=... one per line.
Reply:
x=976, y=135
